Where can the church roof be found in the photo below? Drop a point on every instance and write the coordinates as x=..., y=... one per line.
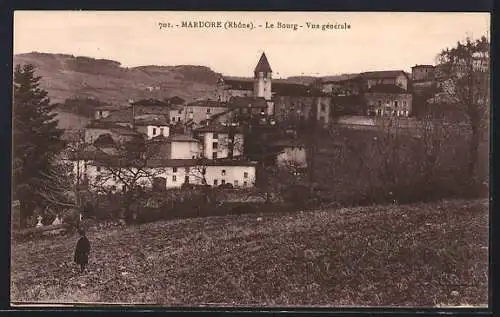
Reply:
x=263, y=65
x=388, y=89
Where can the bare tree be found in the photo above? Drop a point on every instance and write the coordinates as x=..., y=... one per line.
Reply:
x=465, y=82
x=133, y=167
x=73, y=147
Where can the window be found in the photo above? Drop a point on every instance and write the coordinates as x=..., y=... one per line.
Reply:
x=154, y=131
x=215, y=136
x=174, y=169
x=214, y=155
x=178, y=119
x=395, y=104
x=223, y=172
x=223, y=182
x=98, y=168
x=180, y=111
x=186, y=179
x=174, y=178
x=208, y=110
x=323, y=107
x=215, y=182
x=404, y=102
x=235, y=182
x=245, y=175
x=380, y=103
x=215, y=145
x=245, y=184
x=161, y=131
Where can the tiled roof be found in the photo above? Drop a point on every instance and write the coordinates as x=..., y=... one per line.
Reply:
x=176, y=100
x=247, y=102
x=263, y=65
x=241, y=85
x=119, y=116
x=230, y=79
x=150, y=102
x=387, y=88
x=151, y=119
x=158, y=163
x=89, y=153
x=383, y=74
x=181, y=138
x=218, y=128
x=124, y=131
x=282, y=89
x=339, y=78
x=207, y=103
x=140, y=110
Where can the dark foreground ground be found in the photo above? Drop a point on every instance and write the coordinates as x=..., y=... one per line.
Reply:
x=414, y=255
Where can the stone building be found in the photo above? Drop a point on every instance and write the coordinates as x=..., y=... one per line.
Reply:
x=388, y=100
x=285, y=98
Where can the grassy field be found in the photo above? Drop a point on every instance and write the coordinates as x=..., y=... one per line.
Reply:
x=414, y=255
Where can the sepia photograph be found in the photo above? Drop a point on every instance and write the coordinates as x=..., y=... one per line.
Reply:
x=250, y=159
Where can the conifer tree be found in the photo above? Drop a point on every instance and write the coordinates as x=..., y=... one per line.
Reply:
x=37, y=141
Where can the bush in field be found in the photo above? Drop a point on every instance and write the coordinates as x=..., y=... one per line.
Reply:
x=394, y=164
x=175, y=203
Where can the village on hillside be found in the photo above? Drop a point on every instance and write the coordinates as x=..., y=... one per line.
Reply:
x=211, y=133
x=205, y=142
x=281, y=191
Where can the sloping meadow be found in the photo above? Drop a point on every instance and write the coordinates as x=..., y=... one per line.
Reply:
x=413, y=255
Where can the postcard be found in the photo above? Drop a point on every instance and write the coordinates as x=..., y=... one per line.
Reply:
x=250, y=159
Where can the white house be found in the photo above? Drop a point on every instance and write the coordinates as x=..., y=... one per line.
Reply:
x=182, y=147
x=172, y=173
x=217, y=141
x=239, y=174
x=152, y=125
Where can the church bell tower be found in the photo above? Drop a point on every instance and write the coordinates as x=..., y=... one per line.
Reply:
x=262, y=78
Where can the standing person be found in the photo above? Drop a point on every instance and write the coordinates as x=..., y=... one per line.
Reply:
x=82, y=250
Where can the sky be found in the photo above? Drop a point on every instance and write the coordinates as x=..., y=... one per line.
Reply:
x=374, y=41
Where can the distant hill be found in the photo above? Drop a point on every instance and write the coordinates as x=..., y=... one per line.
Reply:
x=67, y=76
